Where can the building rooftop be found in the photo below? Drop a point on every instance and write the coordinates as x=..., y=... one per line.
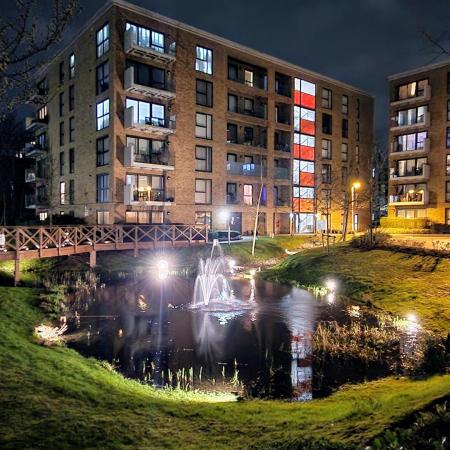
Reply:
x=172, y=22
x=419, y=70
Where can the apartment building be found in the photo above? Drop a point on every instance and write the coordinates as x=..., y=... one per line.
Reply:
x=143, y=119
x=419, y=181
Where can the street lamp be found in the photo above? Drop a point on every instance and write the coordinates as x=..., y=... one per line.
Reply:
x=226, y=216
x=356, y=185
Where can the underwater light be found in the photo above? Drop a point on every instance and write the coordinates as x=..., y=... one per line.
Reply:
x=331, y=285
x=163, y=268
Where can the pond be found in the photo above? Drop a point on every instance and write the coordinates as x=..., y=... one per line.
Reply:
x=146, y=330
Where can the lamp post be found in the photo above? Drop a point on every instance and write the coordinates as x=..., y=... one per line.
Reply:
x=226, y=216
x=356, y=185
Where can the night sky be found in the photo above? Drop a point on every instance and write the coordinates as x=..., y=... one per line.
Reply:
x=359, y=42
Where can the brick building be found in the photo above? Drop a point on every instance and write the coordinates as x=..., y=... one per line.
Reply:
x=147, y=120
x=419, y=180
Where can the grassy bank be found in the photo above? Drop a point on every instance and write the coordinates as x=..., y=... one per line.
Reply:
x=54, y=398
x=396, y=282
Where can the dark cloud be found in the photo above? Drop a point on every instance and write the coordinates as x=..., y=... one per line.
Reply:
x=360, y=42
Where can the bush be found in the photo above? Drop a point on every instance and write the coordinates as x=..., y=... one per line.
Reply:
x=436, y=355
x=400, y=222
x=53, y=302
x=379, y=239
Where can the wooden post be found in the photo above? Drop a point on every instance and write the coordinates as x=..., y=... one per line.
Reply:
x=136, y=249
x=92, y=259
x=17, y=270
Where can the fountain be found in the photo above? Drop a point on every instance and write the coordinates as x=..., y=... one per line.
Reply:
x=212, y=291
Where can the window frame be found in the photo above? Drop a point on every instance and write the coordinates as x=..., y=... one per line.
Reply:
x=208, y=65
x=208, y=187
x=207, y=159
x=198, y=126
x=208, y=94
x=102, y=155
x=104, y=118
x=103, y=46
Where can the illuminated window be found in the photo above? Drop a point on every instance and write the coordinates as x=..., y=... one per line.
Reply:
x=71, y=66
x=308, y=88
x=357, y=154
x=203, y=218
x=326, y=149
x=344, y=152
x=203, y=61
x=248, y=194
x=103, y=114
x=62, y=193
x=413, y=89
x=203, y=191
x=102, y=188
x=306, y=166
x=345, y=104
x=145, y=37
x=102, y=40
x=203, y=158
x=203, y=126
x=248, y=77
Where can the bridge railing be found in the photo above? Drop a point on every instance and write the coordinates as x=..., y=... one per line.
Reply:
x=23, y=239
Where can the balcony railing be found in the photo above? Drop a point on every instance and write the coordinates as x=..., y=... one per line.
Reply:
x=281, y=201
x=283, y=147
x=148, y=196
x=164, y=55
x=149, y=124
x=409, y=199
x=34, y=124
x=416, y=174
x=232, y=199
x=30, y=175
x=258, y=112
x=282, y=173
x=159, y=160
x=424, y=97
x=248, y=142
x=30, y=201
x=33, y=149
x=421, y=121
x=247, y=169
x=163, y=91
x=422, y=147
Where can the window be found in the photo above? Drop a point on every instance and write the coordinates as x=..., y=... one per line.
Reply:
x=42, y=113
x=326, y=123
x=411, y=213
x=232, y=103
x=71, y=97
x=410, y=90
x=345, y=128
x=102, y=78
x=72, y=160
x=71, y=129
x=103, y=114
x=326, y=98
x=149, y=151
x=447, y=191
x=249, y=106
x=61, y=163
x=248, y=77
x=357, y=131
x=357, y=154
x=409, y=167
x=203, y=218
x=144, y=217
x=448, y=110
x=71, y=66
x=407, y=142
x=447, y=165
x=448, y=83
x=448, y=137
x=102, y=217
x=203, y=194
x=102, y=188
x=145, y=37
x=326, y=173
x=203, y=158
x=248, y=135
x=147, y=113
x=147, y=188
x=232, y=197
x=447, y=215
x=71, y=192
x=61, y=104
x=344, y=175
x=326, y=149
x=358, y=108
x=203, y=60
x=103, y=151
x=62, y=193
x=203, y=126
x=61, y=133
x=232, y=133
x=411, y=116
x=345, y=104
x=204, y=93
x=248, y=194
x=103, y=40
x=61, y=72
x=148, y=75
x=344, y=152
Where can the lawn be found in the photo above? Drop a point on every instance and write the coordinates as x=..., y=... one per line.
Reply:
x=397, y=282
x=53, y=398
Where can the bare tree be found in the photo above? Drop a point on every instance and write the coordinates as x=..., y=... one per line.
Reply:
x=24, y=46
x=439, y=44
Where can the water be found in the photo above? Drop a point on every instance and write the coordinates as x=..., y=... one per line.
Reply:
x=145, y=328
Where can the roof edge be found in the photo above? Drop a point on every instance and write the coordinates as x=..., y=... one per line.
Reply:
x=419, y=70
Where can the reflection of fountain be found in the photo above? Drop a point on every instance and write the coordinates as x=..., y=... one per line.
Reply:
x=212, y=291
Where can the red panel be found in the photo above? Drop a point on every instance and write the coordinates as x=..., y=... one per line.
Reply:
x=307, y=100
x=307, y=205
x=297, y=97
x=296, y=204
x=306, y=179
x=297, y=151
x=308, y=127
x=306, y=153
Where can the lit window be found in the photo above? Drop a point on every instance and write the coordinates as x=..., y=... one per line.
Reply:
x=102, y=188
x=344, y=152
x=203, y=126
x=103, y=114
x=306, y=166
x=102, y=40
x=248, y=194
x=203, y=158
x=71, y=66
x=326, y=149
x=62, y=193
x=203, y=191
x=145, y=37
x=203, y=61
x=345, y=104
x=248, y=77
x=203, y=218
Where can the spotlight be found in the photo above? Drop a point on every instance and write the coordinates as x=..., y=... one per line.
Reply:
x=331, y=285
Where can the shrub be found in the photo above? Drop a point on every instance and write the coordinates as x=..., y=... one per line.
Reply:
x=436, y=355
x=53, y=302
x=364, y=241
x=400, y=222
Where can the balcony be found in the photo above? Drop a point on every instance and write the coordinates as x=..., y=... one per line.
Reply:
x=35, y=124
x=426, y=95
x=33, y=150
x=247, y=74
x=39, y=96
x=160, y=160
x=30, y=201
x=149, y=124
x=246, y=169
x=150, y=53
x=282, y=201
x=422, y=123
x=398, y=152
x=410, y=199
x=147, y=196
x=156, y=91
x=30, y=175
x=417, y=175
x=232, y=199
x=282, y=173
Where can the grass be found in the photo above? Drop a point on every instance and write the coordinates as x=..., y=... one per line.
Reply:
x=54, y=398
x=396, y=282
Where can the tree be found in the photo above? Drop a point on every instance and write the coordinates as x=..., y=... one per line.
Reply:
x=24, y=46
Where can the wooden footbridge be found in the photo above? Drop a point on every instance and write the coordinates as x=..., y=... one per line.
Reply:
x=17, y=243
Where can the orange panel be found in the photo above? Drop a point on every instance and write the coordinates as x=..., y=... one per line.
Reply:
x=296, y=204
x=307, y=100
x=306, y=153
x=307, y=205
x=306, y=179
x=308, y=127
x=297, y=97
x=297, y=151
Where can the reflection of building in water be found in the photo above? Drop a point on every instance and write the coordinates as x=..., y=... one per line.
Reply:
x=301, y=368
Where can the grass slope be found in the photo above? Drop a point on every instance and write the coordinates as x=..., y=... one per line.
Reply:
x=396, y=282
x=53, y=398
